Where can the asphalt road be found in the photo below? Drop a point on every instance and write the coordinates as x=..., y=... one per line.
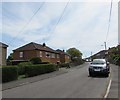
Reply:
x=74, y=84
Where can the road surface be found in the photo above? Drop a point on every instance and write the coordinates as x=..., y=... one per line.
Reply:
x=74, y=84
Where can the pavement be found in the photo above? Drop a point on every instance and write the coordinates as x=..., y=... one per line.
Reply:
x=76, y=83
x=66, y=83
x=113, y=92
x=28, y=80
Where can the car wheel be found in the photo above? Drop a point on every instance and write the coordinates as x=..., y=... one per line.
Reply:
x=90, y=74
x=106, y=75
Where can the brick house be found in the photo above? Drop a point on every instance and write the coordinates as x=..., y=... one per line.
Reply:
x=64, y=57
x=3, y=54
x=31, y=50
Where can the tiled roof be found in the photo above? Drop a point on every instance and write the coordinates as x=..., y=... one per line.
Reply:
x=62, y=52
x=3, y=45
x=35, y=46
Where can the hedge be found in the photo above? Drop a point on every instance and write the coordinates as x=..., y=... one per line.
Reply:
x=21, y=67
x=33, y=70
x=9, y=73
x=64, y=65
x=35, y=60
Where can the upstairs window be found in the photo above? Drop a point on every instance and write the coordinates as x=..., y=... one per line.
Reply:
x=21, y=55
x=40, y=53
x=53, y=55
x=48, y=54
x=58, y=56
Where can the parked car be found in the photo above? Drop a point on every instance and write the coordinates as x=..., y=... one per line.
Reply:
x=99, y=66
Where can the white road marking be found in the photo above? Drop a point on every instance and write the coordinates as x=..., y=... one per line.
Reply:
x=108, y=88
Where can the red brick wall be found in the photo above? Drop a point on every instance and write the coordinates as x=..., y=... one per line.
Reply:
x=27, y=55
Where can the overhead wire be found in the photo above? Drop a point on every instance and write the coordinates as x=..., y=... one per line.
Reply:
x=61, y=15
x=109, y=21
x=31, y=18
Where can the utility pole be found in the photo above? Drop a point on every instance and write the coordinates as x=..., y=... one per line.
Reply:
x=91, y=56
x=105, y=46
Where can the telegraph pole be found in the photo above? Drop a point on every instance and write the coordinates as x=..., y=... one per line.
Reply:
x=91, y=56
x=105, y=46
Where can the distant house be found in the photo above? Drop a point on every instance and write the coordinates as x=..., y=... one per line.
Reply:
x=31, y=50
x=99, y=55
x=3, y=53
x=64, y=57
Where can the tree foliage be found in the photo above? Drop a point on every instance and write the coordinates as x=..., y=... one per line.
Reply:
x=75, y=53
x=9, y=59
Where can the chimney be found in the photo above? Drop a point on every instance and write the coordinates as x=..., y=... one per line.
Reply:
x=44, y=44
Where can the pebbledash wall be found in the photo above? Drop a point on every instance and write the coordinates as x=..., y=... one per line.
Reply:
x=3, y=54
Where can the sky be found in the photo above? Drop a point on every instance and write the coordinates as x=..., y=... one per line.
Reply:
x=61, y=25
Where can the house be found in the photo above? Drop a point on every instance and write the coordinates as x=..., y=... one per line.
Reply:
x=3, y=53
x=64, y=57
x=31, y=50
x=99, y=55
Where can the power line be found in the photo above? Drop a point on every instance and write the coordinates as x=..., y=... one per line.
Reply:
x=109, y=21
x=61, y=15
x=32, y=17
x=28, y=22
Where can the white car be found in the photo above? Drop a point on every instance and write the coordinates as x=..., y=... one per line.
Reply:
x=99, y=66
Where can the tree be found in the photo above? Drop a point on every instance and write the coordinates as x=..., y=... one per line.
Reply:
x=75, y=53
x=9, y=59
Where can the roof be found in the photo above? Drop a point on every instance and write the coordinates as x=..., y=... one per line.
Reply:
x=3, y=45
x=62, y=52
x=35, y=46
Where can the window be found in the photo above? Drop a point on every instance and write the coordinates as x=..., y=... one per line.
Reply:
x=21, y=54
x=57, y=55
x=53, y=55
x=40, y=53
x=47, y=54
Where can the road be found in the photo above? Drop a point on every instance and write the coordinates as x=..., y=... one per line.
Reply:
x=74, y=84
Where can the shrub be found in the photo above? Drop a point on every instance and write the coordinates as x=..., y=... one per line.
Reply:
x=64, y=65
x=21, y=67
x=38, y=69
x=36, y=60
x=9, y=73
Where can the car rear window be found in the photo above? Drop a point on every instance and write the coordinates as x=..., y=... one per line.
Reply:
x=98, y=62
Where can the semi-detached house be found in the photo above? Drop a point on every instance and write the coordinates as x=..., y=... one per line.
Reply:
x=31, y=50
x=3, y=53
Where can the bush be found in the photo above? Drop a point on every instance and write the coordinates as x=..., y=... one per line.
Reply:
x=38, y=69
x=9, y=73
x=77, y=61
x=64, y=65
x=21, y=67
x=35, y=60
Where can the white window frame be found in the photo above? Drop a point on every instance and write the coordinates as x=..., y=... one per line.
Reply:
x=58, y=56
x=53, y=55
x=21, y=54
x=40, y=53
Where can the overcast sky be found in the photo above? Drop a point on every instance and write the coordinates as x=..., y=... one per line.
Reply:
x=83, y=25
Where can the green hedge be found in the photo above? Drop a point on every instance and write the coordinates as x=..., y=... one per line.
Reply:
x=64, y=65
x=33, y=70
x=35, y=60
x=21, y=67
x=9, y=73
